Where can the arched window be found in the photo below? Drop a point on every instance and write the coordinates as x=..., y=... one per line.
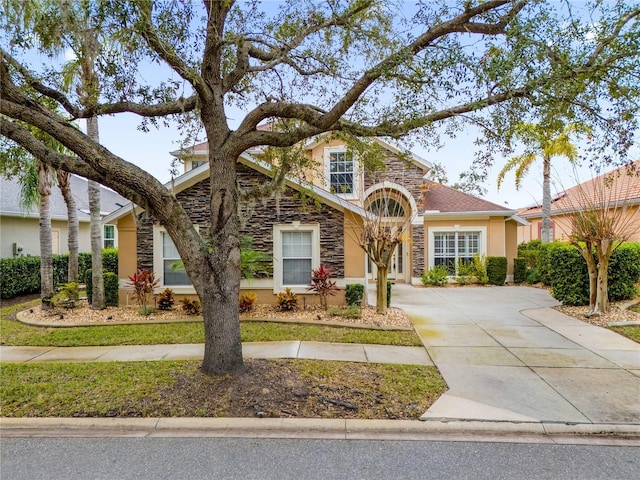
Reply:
x=386, y=207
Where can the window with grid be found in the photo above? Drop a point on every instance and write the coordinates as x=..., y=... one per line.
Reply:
x=109, y=237
x=173, y=272
x=341, y=172
x=297, y=257
x=449, y=247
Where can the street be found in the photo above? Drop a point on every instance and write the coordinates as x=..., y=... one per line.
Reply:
x=245, y=458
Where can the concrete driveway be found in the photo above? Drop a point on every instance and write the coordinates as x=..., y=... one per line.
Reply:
x=507, y=356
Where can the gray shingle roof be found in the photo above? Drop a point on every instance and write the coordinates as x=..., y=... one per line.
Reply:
x=10, y=200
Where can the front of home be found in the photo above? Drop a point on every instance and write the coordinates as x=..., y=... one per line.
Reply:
x=317, y=219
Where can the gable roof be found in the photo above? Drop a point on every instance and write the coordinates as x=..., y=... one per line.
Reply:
x=624, y=187
x=443, y=199
x=202, y=172
x=10, y=200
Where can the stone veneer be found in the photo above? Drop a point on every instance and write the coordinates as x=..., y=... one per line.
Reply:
x=417, y=249
x=401, y=172
x=257, y=219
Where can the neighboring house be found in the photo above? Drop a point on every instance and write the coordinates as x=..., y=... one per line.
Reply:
x=618, y=189
x=318, y=220
x=19, y=226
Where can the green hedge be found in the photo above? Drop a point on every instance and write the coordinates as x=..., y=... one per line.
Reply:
x=519, y=270
x=354, y=293
x=624, y=272
x=110, y=289
x=497, y=270
x=21, y=276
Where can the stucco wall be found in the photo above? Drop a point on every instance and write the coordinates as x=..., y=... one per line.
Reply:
x=26, y=232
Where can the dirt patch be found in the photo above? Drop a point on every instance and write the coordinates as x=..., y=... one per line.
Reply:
x=282, y=388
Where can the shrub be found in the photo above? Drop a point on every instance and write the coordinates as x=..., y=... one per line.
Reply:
x=530, y=251
x=166, y=300
x=191, y=307
x=66, y=297
x=322, y=284
x=472, y=271
x=519, y=270
x=533, y=276
x=496, y=270
x=545, y=262
x=287, y=300
x=569, y=272
x=624, y=272
x=19, y=276
x=246, y=302
x=111, y=287
x=253, y=263
x=146, y=310
x=354, y=293
x=109, y=260
x=143, y=282
x=436, y=275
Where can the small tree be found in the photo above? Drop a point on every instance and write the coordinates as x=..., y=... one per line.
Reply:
x=322, y=284
x=603, y=219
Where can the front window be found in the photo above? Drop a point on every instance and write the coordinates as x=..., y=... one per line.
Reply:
x=297, y=258
x=296, y=252
x=451, y=247
x=109, y=237
x=173, y=272
x=342, y=172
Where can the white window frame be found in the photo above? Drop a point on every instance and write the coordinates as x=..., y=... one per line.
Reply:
x=314, y=228
x=357, y=173
x=104, y=237
x=482, y=240
x=158, y=265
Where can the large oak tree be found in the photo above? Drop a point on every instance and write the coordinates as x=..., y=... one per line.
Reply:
x=366, y=67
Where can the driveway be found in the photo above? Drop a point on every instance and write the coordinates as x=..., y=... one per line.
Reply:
x=507, y=356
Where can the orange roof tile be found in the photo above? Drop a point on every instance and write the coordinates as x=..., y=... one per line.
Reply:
x=449, y=200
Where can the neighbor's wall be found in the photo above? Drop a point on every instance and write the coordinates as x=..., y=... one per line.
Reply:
x=26, y=232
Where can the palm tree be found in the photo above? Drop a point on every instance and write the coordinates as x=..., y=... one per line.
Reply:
x=542, y=141
x=72, y=219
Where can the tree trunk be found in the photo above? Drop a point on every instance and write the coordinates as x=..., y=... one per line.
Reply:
x=592, y=268
x=603, y=252
x=46, y=248
x=97, y=302
x=72, y=219
x=545, y=234
x=221, y=287
x=381, y=290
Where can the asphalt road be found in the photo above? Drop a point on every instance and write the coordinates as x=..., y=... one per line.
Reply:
x=242, y=458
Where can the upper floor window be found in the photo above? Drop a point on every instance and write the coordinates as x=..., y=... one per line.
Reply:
x=386, y=207
x=342, y=172
x=109, y=236
x=197, y=163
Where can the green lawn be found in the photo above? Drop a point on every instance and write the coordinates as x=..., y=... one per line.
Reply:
x=16, y=333
x=632, y=332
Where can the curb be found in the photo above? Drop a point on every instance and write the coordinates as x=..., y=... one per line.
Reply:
x=345, y=429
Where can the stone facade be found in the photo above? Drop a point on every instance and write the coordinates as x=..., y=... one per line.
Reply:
x=257, y=219
x=417, y=249
x=401, y=172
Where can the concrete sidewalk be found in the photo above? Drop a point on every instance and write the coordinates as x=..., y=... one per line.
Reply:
x=508, y=357
x=292, y=349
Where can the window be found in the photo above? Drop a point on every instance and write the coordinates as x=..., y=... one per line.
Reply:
x=342, y=172
x=109, y=236
x=173, y=272
x=448, y=248
x=386, y=207
x=197, y=163
x=296, y=253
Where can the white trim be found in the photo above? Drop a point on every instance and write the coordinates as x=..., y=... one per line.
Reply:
x=358, y=178
x=482, y=248
x=386, y=185
x=115, y=234
x=278, y=229
x=158, y=266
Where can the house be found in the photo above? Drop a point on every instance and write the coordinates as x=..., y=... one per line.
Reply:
x=19, y=226
x=618, y=191
x=317, y=219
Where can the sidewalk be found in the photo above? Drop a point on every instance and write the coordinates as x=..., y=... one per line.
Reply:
x=292, y=349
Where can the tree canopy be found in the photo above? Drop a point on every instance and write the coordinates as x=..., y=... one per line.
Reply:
x=361, y=67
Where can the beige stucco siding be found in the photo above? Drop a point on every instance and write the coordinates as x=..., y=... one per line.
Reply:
x=511, y=234
x=354, y=257
x=26, y=232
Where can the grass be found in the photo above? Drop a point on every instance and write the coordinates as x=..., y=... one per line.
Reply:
x=151, y=389
x=631, y=331
x=16, y=333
